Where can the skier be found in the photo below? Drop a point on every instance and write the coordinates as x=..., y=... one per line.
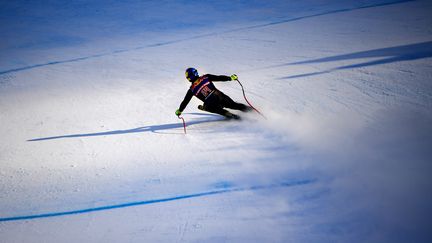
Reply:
x=214, y=100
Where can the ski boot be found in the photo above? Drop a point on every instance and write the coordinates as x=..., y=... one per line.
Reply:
x=230, y=115
x=225, y=113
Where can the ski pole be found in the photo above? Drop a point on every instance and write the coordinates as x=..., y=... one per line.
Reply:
x=244, y=95
x=184, y=123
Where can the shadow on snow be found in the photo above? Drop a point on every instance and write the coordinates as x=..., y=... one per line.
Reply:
x=389, y=55
x=153, y=128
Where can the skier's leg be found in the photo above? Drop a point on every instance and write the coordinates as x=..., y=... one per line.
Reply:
x=218, y=109
x=229, y=103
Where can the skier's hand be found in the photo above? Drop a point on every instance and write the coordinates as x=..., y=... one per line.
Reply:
x=234, y=77
x=178, y=112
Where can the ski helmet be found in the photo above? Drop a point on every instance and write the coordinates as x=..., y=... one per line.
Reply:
x=191, y=74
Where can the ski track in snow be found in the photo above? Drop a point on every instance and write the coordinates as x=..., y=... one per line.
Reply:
x=164, y=43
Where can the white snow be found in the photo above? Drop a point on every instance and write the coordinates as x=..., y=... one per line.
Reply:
x=92, y=151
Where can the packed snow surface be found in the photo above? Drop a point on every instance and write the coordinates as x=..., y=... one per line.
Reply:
x=91, y=150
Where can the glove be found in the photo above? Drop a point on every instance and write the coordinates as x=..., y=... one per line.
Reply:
x=178, y=112
x=234, y=77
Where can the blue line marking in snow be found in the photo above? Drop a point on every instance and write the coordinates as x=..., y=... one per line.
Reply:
x=161, y=200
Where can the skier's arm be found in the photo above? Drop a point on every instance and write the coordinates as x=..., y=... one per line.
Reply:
x=213, y=78
x=186, y=100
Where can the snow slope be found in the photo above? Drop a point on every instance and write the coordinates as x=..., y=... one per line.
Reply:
x=91, y=150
